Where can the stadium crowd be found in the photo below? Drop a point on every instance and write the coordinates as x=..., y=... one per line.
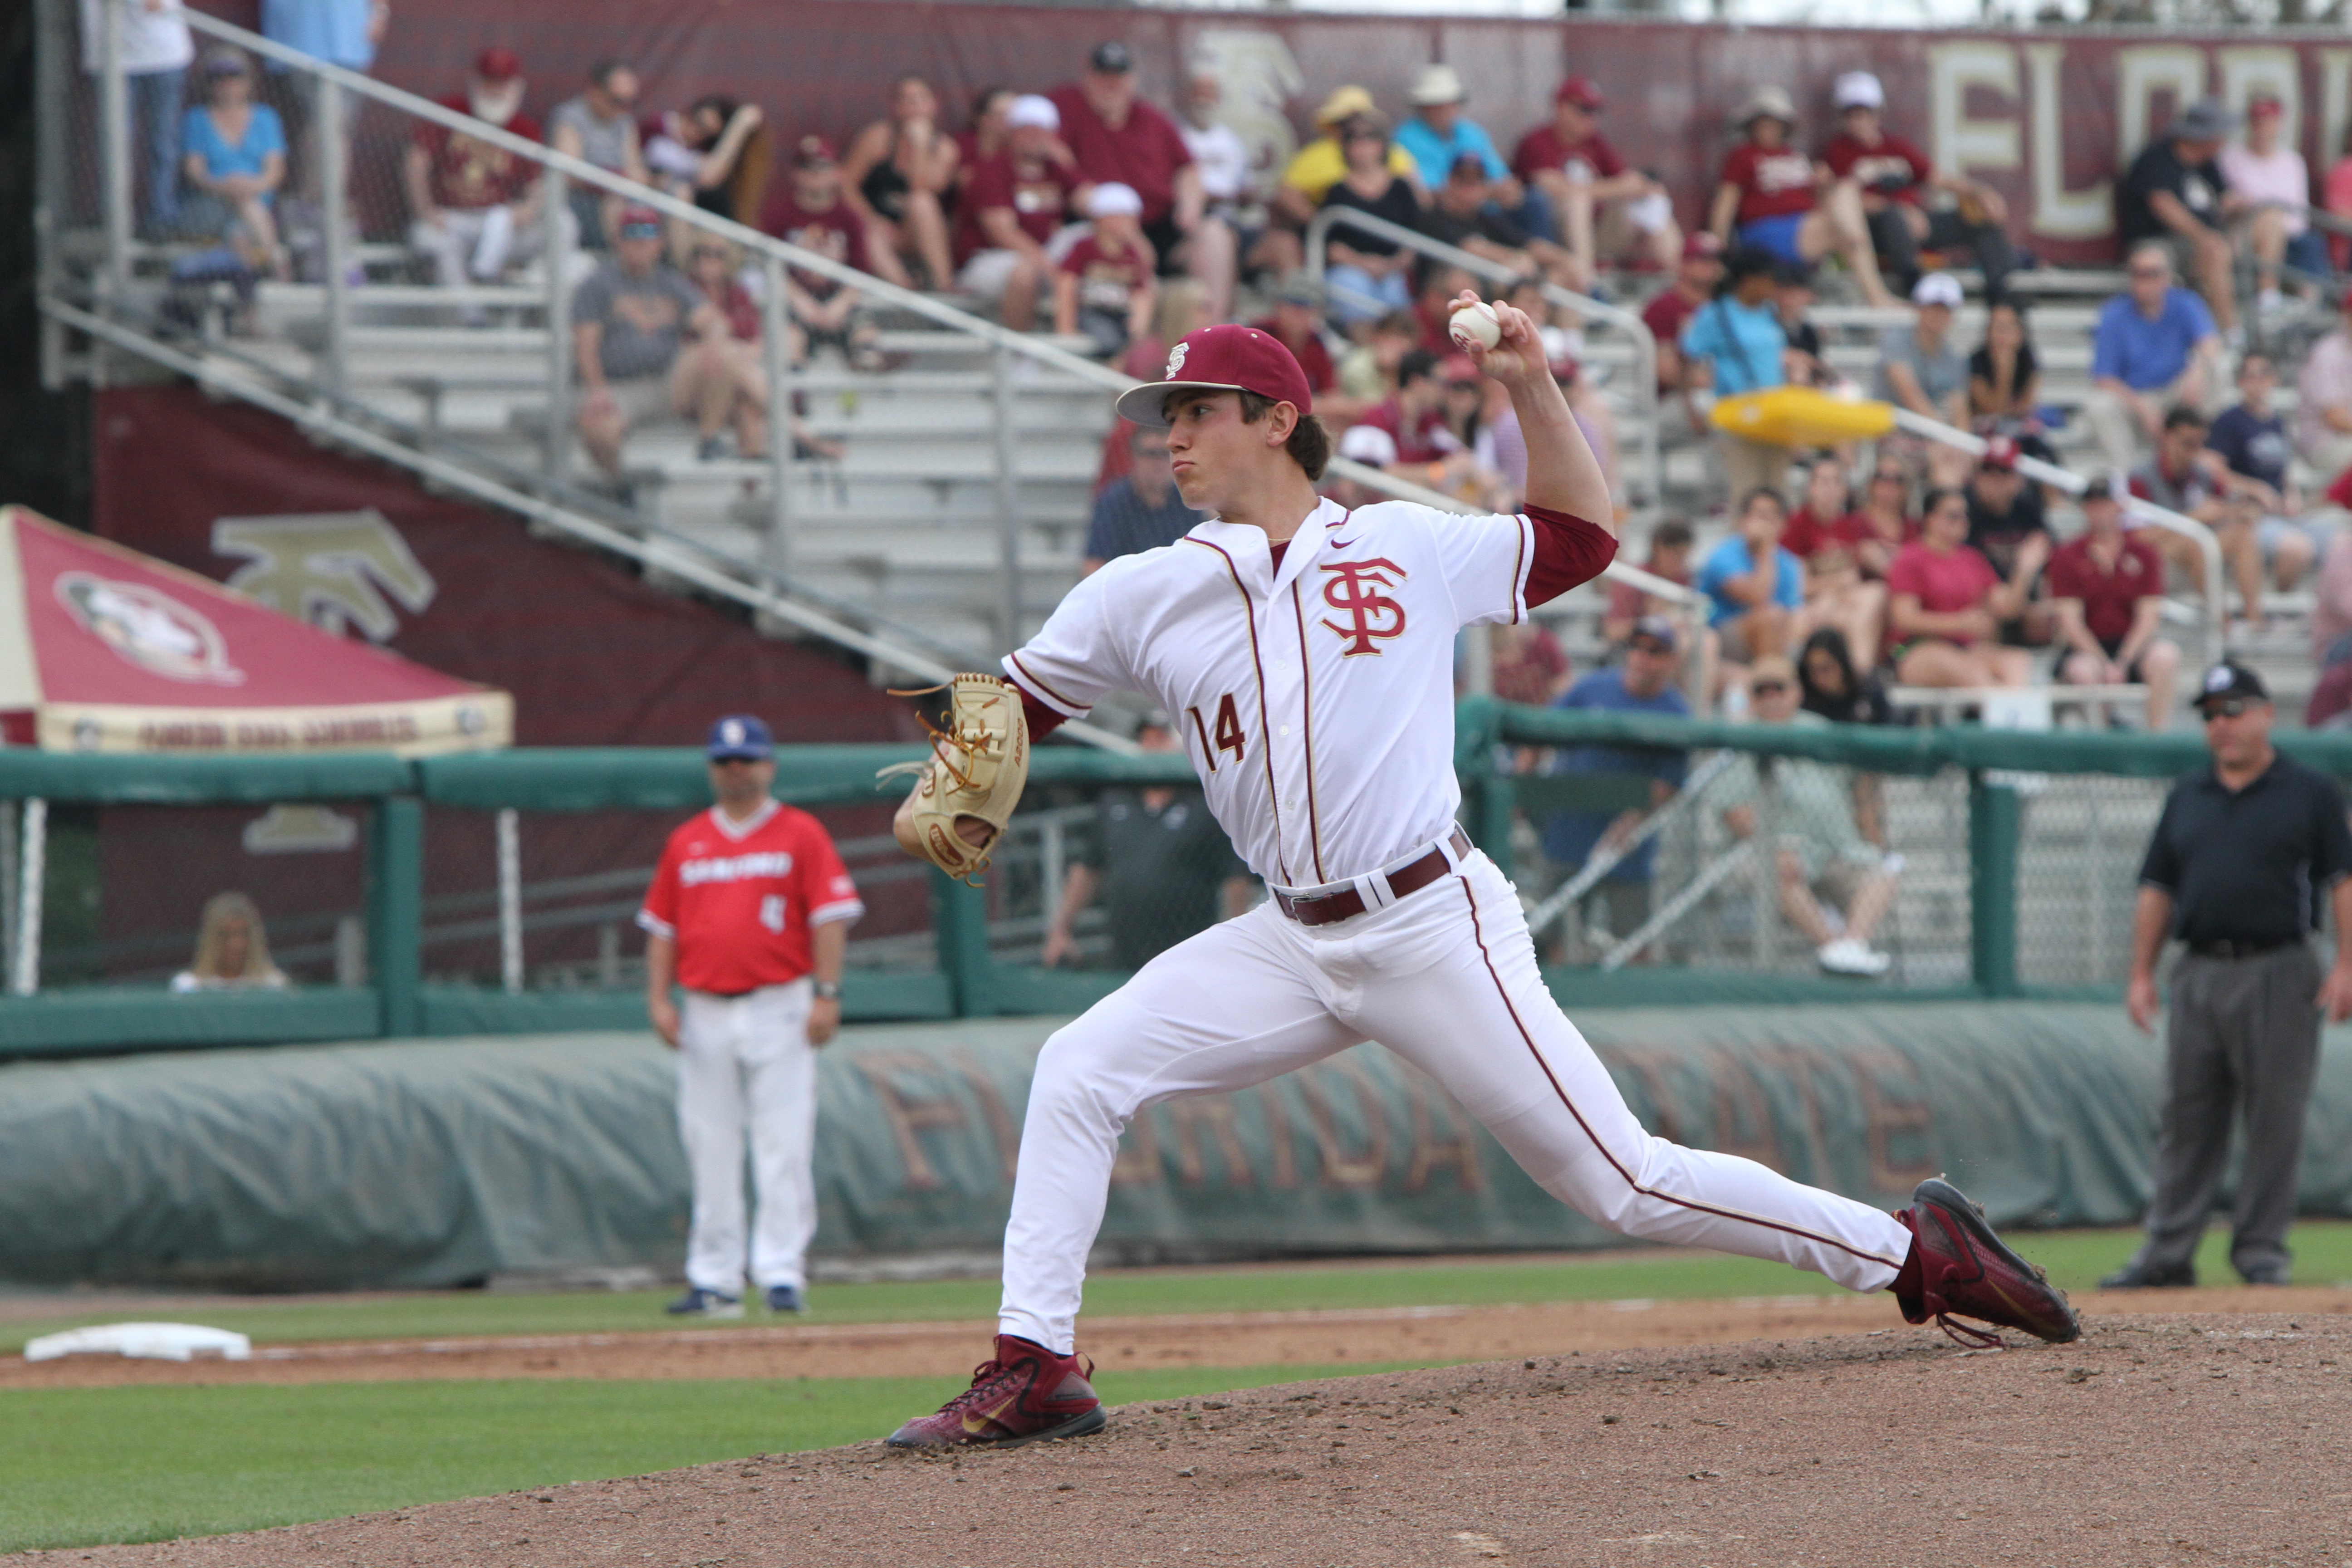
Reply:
x=1824, y=575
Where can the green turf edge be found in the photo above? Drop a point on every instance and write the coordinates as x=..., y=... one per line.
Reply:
x=2075, y=1261
x=109, y=1465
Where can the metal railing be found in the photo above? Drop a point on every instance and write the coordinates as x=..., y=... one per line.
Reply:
x=1645, y=344
x=547, y=498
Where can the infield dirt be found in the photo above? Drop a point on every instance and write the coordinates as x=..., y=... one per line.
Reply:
x=2154, y=1440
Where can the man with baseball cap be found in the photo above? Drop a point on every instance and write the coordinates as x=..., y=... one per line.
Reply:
x=1919, y=366
x=2175, y=192
x=2244, y=856
x=1304, y=653
x=1117, y=138
x=1585, y=182
x=748, y=915
x=473, y=205
x=1894, y=178
x=1016, y=201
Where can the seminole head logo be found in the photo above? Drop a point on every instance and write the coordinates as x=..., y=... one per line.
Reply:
x=1353, y=588
x=149, y=629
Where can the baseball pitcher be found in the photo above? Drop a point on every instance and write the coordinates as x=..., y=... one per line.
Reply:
x=1307, y=654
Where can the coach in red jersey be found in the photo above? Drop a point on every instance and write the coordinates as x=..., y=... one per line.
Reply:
x=749, y=913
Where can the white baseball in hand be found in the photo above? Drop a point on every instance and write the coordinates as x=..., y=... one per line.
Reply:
x=1475, y=323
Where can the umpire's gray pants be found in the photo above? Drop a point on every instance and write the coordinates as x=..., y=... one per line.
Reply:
x=2242, y=1030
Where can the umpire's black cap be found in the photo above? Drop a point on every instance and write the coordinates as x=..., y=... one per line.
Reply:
x=2229, y=679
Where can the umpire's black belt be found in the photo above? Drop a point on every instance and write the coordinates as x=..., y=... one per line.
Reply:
x=2236, y=950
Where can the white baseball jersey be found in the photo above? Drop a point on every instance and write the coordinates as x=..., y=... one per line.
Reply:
x=1316, y=697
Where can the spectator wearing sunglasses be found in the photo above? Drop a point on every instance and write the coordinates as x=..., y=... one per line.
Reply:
x=2244, y=856
x=1833, y=884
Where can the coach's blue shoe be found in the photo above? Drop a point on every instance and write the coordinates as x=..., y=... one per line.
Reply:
x=698, y=1302
x=786, y=1298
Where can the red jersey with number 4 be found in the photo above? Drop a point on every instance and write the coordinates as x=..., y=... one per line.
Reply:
x=739, y=899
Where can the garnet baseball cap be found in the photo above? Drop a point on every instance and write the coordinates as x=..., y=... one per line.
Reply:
x=740, y=735
x=1701, y=243
x=1582, y=92
x=2001, y=452
x=644, y=220
x=2265, y=106
x=497, y=64
x=2230, y=678
x=1224, y=358
x=815, y=153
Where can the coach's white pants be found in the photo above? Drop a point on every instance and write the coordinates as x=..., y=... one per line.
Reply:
x=1445, y=978
x=746, y=1061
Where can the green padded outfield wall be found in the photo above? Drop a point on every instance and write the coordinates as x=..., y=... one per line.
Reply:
x=423, y=1163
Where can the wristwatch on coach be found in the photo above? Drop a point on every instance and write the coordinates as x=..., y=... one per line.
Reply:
x=827, y=990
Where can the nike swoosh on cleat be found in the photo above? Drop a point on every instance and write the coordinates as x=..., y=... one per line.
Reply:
x=979, y=1422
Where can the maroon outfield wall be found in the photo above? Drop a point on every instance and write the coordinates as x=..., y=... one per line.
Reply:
x=2046, y=116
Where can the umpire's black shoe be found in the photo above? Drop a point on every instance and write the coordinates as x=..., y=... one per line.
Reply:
x=698, y=1302
x=2138, y=1276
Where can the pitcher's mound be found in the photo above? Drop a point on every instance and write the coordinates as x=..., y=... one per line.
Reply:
x=2155, y=1440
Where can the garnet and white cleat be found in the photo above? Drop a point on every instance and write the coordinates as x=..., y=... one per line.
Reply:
x=1963, y=1269
x=1025, y=1395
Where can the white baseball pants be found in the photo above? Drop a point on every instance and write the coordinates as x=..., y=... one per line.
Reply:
x=1445, y=978
x=745, y=1062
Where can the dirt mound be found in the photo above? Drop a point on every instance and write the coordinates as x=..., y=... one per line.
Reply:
x=2155, y=1440
x=1327, y=1338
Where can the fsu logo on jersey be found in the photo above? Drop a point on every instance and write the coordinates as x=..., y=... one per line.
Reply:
x=1353, y=588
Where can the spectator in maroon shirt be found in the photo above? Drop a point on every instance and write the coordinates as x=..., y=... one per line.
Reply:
x=1891, y=175
x=984, y=138
x=1104, y=284
x=2108, y=587
x=475, y=208
x=1589, y=185
x=1019, y=198
x=1670, y=309
x=809, y=211
x=1823, y=533
x=1118, y=139
x=1669, y=557
x=1771, y=194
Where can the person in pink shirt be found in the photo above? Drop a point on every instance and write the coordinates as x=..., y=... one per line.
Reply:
x=1944, y=602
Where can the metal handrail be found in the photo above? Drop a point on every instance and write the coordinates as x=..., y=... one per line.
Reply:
x=2189, y=528
x=1645, y=342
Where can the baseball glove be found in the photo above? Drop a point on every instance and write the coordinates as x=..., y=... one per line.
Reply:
x=978, y=767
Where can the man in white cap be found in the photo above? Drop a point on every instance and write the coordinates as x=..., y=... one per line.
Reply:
x=1017, y=200
x=1919, y=366
x=1894, y=177
x=1304, y=653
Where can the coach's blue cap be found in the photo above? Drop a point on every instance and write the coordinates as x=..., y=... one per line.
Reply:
x=740, y=735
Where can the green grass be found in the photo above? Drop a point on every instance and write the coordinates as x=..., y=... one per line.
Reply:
x=2075, y=1261
x=106, y=1464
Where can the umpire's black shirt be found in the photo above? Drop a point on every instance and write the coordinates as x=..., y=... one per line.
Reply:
x=2249, y=867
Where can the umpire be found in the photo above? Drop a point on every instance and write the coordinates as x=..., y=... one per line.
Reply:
x=2243, y=856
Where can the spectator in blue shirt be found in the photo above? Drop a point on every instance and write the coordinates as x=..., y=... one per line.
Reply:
x=1755, y=589
x=1439, y=133
x=233, y=158
x=2249, y=437
x=1736, y=344
x=2156, y=346
x=342, y=33
x=1644, y=683
x=1142, y=510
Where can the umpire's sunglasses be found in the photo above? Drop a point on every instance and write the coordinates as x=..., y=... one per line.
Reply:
x=2225, y=708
